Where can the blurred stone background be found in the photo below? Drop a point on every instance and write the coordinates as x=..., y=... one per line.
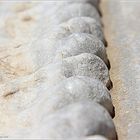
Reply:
x=122, y=30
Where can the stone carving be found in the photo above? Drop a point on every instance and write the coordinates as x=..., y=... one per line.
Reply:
x=54, y=71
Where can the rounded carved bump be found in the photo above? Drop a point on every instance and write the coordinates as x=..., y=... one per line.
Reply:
x=78, y=43
x=77, y=120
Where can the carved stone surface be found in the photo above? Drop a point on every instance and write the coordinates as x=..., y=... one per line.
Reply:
x=79, y=119
x=54, y=71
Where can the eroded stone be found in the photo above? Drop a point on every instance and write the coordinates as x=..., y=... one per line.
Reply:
x=77, y=120
x=86, y=64
x=74, y=10
x=85, y=25
x=78, y=43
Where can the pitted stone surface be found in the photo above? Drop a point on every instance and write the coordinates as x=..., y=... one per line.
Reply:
x=77, y=25
x=53, y=71
x=70, y=91
x=85, y=25
x=86, y=64
x=78, y=43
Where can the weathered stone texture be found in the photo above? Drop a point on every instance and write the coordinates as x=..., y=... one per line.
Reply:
x=54, y=71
